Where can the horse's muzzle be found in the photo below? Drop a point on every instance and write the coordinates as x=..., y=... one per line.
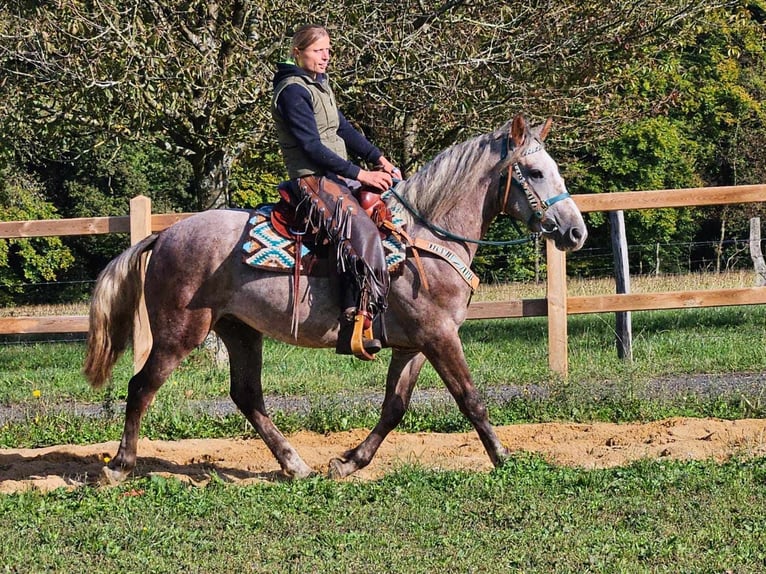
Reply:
x=566, y=237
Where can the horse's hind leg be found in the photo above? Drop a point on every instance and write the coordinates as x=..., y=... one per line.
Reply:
x=245, y=346
x=403, y=372
x=141, y=390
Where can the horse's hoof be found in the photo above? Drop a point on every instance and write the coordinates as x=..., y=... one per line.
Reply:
x=112, y=477
x=339, y=468
x=303, y=472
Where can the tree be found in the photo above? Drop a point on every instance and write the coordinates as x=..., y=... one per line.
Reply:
x=655, y=153
x=27, y=260
x=725, y=106
x=194, y=76
x=423, y=75
x=188, y=76
x=103, y=183
x=701, y=122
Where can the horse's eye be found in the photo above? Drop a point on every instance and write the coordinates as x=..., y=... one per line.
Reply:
x=536, y=174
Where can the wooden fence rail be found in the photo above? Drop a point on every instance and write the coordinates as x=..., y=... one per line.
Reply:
x=556, y=305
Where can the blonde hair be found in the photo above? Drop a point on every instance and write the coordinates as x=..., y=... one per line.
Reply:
x=307, y=35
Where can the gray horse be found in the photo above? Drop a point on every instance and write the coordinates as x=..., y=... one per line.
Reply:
x=196, y=282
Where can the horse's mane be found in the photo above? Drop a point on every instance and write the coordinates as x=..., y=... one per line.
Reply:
x=435, y=189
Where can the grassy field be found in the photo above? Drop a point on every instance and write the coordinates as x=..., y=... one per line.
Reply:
x=526, y=517
x=37, y=378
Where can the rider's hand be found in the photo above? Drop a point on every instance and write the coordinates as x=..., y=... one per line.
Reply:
x=379, y=180
x=389, y=168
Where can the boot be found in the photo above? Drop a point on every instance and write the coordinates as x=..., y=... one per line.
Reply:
x=356, y=324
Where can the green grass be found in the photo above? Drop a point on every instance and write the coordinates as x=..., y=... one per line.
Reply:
x=526, y=517
x=38, y=378
x=499, y=352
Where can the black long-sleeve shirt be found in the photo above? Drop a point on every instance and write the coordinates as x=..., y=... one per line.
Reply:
x=295, y=107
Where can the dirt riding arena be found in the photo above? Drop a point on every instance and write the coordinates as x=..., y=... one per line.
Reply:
x=248, y=460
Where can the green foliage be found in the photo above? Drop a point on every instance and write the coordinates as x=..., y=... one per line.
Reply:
x=518, y=262
x=255, y=178
x=724, y=105
x=685, y=117
x=27, y=260
x=102, y=184
x=650, y=154
x=163, y=73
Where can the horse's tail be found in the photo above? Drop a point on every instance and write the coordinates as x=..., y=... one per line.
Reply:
x=113, y=308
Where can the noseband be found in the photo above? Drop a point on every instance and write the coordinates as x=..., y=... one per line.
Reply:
x=538, y=205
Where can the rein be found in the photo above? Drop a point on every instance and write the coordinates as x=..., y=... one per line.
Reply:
x=448, y=234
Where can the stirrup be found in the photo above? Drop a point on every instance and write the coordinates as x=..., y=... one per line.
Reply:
x=358, y=338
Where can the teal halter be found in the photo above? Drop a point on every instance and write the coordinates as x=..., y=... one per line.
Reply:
x=538, y=205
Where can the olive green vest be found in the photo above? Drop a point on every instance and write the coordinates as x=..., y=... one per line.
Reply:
x=326, y=116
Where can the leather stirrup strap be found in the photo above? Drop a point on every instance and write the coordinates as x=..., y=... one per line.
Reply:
x=295, y=321
x=419, y=265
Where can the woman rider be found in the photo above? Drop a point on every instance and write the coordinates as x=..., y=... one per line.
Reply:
x=315, y=139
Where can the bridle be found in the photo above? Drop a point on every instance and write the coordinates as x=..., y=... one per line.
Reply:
x=538, y=205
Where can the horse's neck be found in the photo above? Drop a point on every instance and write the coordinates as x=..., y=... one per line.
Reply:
x=459, y=228
x=454, y=193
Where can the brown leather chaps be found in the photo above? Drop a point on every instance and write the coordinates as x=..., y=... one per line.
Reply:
x=333, y=214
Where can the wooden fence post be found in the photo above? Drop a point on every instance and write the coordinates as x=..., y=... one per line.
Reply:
x=556, y=296
x=756, y=254
x=623, y=320
x=141, y=227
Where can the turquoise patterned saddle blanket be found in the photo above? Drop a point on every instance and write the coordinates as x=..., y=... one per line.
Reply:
x=266, y=248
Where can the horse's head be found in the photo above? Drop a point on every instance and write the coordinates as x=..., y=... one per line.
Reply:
x=533, y=191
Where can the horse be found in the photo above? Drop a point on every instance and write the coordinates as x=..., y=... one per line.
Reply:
x=196, y=282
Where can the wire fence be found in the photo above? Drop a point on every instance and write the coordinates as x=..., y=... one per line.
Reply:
x=680, y=258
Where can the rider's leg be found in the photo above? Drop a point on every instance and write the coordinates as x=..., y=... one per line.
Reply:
x=360, y=258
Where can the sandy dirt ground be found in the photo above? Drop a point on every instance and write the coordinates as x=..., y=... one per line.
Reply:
x=247, y=460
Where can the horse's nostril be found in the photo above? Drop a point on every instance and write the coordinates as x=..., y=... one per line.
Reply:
x=548, y=225
x=577, y=235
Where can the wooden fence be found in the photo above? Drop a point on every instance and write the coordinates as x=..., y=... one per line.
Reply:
x=556, y=305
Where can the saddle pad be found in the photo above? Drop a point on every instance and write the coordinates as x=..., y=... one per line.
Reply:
x=394, y=249
x=267, y=249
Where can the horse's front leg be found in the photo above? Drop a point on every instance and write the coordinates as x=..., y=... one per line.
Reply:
x=446, y=356
x=403, y=372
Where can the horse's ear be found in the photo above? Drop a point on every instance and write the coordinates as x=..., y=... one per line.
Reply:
x=545, y=129
x=518, y=130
